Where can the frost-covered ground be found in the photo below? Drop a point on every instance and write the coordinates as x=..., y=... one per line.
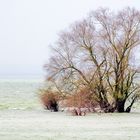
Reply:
x=43, y=125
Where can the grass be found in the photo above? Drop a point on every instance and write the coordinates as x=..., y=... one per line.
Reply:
x=43, y=125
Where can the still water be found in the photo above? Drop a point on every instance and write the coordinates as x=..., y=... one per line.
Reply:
x=17, y=93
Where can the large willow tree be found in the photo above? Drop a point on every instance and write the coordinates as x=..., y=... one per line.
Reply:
x=96, y=54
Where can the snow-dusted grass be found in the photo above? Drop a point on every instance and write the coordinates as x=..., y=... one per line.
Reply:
x=43, y=125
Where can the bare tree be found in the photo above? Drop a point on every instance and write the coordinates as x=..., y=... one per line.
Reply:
x=120, y=33
x=95, y=53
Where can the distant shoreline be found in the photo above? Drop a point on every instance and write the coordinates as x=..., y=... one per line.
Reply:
x=29, y=76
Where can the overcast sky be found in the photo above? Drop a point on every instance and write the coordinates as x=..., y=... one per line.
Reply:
x=27, y=27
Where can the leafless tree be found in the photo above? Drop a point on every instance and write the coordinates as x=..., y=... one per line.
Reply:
x=121, y=34
x=95, y=53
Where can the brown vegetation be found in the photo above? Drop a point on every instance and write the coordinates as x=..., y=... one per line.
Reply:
x=49, y=99
x=81, y=102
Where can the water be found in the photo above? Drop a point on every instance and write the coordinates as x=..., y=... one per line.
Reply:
x=19, y=93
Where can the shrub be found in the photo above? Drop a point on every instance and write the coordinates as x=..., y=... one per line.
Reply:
x=81, y=102
x=49, y=99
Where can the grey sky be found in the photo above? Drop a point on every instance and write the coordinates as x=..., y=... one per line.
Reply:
x=27, y=27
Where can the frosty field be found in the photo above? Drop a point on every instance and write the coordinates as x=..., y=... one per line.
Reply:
x=42, y=125
x=23, y=118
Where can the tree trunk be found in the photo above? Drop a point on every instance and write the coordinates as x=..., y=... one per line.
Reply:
x=106, y=107
x=128, y=109
x=120, y=106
